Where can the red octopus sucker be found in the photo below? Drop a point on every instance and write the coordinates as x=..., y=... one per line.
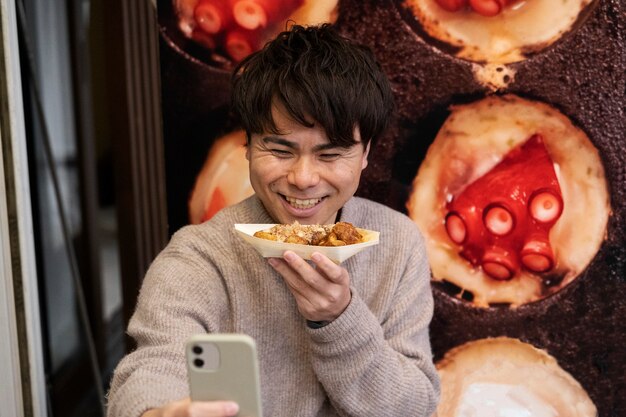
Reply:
x=238, y=27
x=502, y=220
x=483, y=7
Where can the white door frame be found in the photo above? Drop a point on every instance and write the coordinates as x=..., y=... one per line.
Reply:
x=22, y=375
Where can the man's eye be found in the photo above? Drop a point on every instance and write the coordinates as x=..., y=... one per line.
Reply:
x=329, y=156
x=280, y=152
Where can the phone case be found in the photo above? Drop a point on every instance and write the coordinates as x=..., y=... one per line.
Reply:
x=224, y=367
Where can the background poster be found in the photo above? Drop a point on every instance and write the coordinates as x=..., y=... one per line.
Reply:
x=535, y=67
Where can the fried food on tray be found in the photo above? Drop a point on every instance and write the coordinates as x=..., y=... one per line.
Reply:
x=345, y=232
x=265, y=235
x=339, y=234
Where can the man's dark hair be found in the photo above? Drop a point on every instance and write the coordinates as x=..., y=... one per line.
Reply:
x=318, y=76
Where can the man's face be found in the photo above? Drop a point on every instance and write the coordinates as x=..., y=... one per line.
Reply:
x=299, y=176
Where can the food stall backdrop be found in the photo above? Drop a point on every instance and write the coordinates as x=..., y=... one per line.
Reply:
x=515, y=113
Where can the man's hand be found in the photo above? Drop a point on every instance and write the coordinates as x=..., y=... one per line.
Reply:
x=187, y=408
x=322, y=292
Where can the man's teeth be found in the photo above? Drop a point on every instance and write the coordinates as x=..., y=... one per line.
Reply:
x=303, y=204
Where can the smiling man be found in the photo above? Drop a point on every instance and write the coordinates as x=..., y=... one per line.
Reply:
x=301, y=175
x=333, y=340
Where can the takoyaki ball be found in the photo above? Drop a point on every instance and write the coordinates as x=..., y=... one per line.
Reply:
x=505, y=377
x=224, y=179
x=496, y=31
x=512, y=199
x=236, y=28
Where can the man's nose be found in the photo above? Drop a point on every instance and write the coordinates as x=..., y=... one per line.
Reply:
x=304, y=173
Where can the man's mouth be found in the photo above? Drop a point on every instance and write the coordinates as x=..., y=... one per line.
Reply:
x=304, y=203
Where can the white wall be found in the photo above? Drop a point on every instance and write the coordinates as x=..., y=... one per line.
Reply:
x=17, y=262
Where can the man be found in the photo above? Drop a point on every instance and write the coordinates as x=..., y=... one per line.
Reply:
x=333, y=340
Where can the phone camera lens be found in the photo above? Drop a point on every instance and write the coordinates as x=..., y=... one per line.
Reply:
x=197, y=350
x=198, y=362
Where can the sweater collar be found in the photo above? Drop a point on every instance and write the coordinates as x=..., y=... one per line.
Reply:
x=350, y=212
x=256, y=212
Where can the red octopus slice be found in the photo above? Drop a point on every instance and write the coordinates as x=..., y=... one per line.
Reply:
x=212, y=16
x=489, y=7
x=452, y=5
x=502, y=220
x=256, y=14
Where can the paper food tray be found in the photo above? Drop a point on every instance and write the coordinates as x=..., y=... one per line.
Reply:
x=271, y=249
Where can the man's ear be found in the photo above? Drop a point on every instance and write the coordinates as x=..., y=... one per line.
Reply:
x=247, y=145
x=365, y=154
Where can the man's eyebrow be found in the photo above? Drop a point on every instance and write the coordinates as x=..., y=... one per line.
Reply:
x=280, y=141
x=326, y=146
x=294, y=145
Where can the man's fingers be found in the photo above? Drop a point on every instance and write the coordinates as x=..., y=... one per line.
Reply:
x=298, y=264
x=293, y=280
x=322, y=292
x=302, y=293
x=213, y=409
x=187, y=408
x=331, y=270
x=301, y=270
x=318, y=276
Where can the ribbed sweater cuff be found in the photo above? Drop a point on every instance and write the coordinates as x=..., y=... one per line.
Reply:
x=147, y=395
x=353, y=327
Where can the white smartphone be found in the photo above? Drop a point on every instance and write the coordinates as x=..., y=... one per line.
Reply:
x=224, y=367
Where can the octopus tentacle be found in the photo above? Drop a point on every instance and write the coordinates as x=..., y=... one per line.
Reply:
x=501, y=221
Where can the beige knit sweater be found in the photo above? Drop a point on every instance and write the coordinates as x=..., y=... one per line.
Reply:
x=374, y=360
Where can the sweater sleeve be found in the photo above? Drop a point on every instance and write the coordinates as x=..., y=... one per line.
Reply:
x=373, y=369
x=178, y=298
